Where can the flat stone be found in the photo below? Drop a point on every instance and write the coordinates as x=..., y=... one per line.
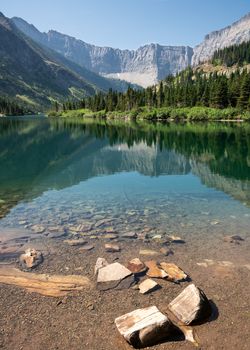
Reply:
x=148, y=286
x=113, y=272
x=38, y=228
x=30, y=259
x=112, y=248
x=56, y=234
x=136, y=266
x=109, y=236
x=100, y=262
x=174, y=273
x=175, y=239
x=154, y=271
x=166, y=251
x=75, y=242
x=148, y=252
x=131, y=235
x=144, y=327
x=191, y=305
x=86, y=247
x=233, y=239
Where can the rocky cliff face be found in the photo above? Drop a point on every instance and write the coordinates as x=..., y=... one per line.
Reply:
x=236, y=33
x=144, y=66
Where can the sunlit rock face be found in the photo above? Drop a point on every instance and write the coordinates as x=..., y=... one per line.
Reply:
x=144, y=66
x=236, y=33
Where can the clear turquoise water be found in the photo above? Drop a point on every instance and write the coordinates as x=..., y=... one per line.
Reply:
x=180, y=179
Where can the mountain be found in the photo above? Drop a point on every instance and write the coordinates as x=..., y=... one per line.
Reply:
x=236, y=33
x=144, y=66
x=37, y=75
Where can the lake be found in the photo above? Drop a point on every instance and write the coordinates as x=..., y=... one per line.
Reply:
x=180, y=179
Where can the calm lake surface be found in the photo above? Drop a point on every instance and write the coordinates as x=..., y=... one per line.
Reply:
x=190, y=180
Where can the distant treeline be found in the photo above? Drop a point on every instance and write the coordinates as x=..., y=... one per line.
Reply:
x=188, y=89
x=235, y=54
x=11, y=107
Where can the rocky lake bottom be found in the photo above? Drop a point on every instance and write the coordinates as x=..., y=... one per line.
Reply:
x=114, y=192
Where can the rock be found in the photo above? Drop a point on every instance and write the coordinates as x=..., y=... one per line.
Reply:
x=157, y=237
x=148, y=252
x=175, y=239
x=174, y=273
x=148, y=286
x=112, y=248
x=136, y=266
x=22, y=222
x=30, y=259
x=86, y=247
x=166, y=251
x=56, y=234
x=191, y=305
x=75, y=242
x=38, y=228
x=233, y=239
x=109, y=236
x=114, y=276
x=144, y=327
x=130, y=235
x=100, y=262
x=154, y=271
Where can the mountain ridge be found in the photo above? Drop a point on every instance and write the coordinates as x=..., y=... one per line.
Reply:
x=144, y=66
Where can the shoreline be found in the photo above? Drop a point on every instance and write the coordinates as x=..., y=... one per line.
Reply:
x=86, y=319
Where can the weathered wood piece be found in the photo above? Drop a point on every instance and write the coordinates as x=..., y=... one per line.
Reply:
x=49, y=285
x=191, y=305
x=144, y=327
x=174, y=273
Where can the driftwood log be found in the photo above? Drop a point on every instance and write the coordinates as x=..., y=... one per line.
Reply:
x=49, y=285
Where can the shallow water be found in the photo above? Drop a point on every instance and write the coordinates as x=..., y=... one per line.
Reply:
x=187, y=180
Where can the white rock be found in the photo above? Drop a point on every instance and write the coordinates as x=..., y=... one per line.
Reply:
x=100, y=262
x=148, y=286
x=144, y=327
x=112, y=272
x=190, y=305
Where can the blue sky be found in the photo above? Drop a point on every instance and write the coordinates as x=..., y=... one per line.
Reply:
x=129, y=23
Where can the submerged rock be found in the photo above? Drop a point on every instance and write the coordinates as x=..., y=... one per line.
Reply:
x=148, y=286
x=191, y=305
x=233, y=239
x=148, y=252
x=112, y=248
x=166, y=251
x=175, y=239
x=154, y=271
x=30, y=259
x=38, y=228
x=86, y=247
x=75, y=242
x=174, y=273
x=144, y=327
x=131, y=235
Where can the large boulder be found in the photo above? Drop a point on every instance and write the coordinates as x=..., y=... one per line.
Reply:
x=190, y=306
